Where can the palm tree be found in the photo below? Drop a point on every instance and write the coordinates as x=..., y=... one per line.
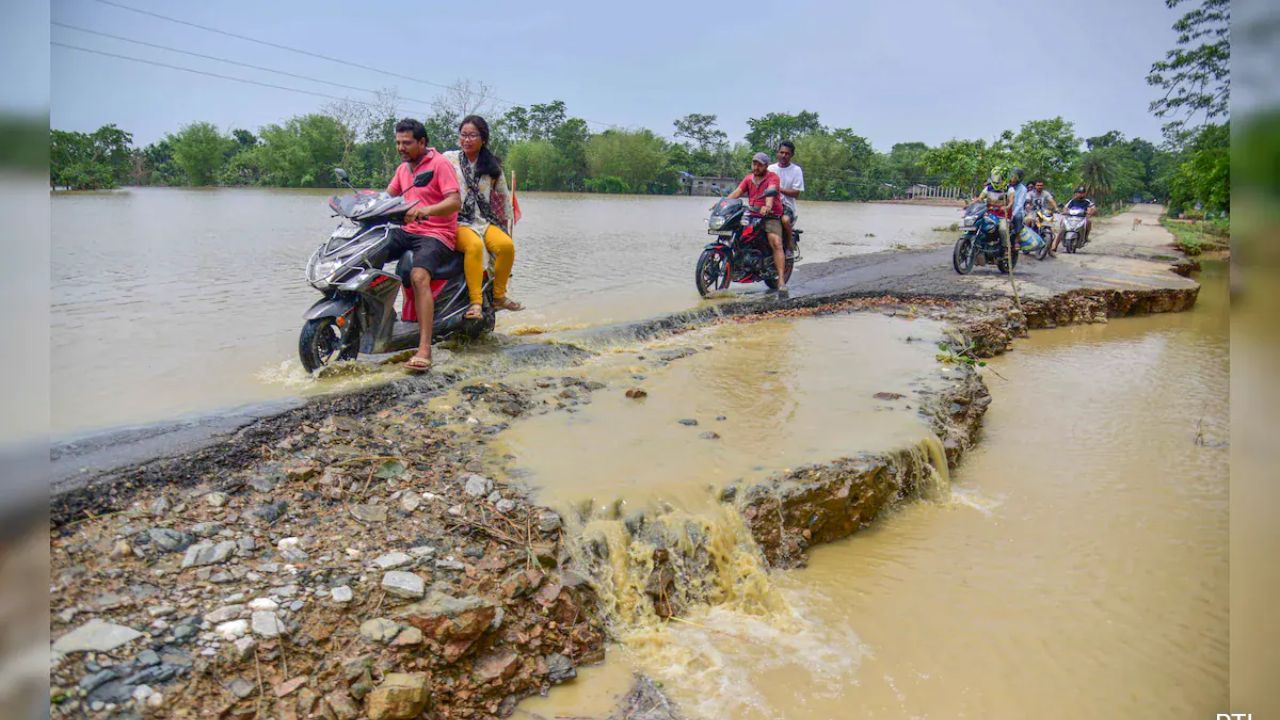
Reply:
x=1097, y=174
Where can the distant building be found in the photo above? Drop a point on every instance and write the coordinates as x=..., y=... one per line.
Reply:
x=930, y=191
x=709, y=186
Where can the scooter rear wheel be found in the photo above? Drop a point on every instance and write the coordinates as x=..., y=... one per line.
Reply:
x=322, y=342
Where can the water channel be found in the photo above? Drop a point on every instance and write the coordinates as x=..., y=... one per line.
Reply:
x=1078, y=569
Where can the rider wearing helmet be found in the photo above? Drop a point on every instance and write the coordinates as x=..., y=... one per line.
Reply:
x=999, y=199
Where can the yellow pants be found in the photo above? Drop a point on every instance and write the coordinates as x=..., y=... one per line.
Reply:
x=503, y=249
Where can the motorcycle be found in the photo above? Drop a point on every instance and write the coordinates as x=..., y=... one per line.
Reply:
x=357, y=313
x=1047, y=228
x=980, y=243
x=1074, y=236
x=740, y=253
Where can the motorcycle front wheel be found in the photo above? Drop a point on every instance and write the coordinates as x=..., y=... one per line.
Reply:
x=1048, y=243
x=1069, y=242
x=712, y=271
x=322, y=342
x=962, y=256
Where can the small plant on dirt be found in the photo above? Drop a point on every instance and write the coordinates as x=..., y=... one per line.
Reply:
x=950, y=355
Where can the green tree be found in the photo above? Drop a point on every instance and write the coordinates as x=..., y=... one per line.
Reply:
x=302, y=152
x=1045, y=149
x=200, y=151
x=538, y=165
x=700, y=130
x=90, y=161
x=828, y=165
x=1203, y=175
x=1196, y=74
x=963, y=164
x=766, y=132
x=905, y=164
x=638, y=158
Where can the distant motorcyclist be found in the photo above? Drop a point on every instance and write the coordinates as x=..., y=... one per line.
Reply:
x=754, y=186
x=1040, y=198
x=1079, y=201
x=791, y=184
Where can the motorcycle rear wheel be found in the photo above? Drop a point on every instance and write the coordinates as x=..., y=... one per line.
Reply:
x=322, y=342
x=1004, y=266
x=772, y=283
x=963, y=256
x=712, y=272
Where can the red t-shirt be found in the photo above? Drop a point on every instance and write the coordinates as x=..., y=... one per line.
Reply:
x=444, y=227
x=755, y=192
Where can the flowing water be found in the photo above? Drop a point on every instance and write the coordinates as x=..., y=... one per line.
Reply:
x=174, y=301
x=1078, y=569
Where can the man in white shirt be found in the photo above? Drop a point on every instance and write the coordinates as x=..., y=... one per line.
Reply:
x=791, y=184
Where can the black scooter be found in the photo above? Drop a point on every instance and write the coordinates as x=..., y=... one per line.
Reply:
x=357, y=313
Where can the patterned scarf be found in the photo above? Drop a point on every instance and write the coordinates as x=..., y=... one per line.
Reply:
x=475, y=199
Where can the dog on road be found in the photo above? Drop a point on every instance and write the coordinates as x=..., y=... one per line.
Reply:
x=1136, y=223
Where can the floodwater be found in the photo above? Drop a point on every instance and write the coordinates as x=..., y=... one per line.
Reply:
x=1079, y=567
x=168, y=302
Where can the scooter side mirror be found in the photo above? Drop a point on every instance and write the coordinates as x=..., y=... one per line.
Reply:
x=423, y=178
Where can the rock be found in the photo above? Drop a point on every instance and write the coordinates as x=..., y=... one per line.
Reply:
x=494, y=496
x=246, y=544
x=141, y=693
x=207, y=529
x=709, y=435
x=159, y=611
x=451, y=625
x=408, y=636
x=449, y=563
x=269, y=512
x=721, y=418
x=422, y=551
x=266, y=624
x=477, y=485
x=207, y=554
x=263, y=604
x=455, y=510
x=290, y=549
x=403, y=584
x=342, y=706
x=285, y=689
x=243, y=648
x=637, y=394
x=392, y=560
x=216, y=499
x=505, y=506
x=496, y=664
x=147, y=658
x=160, y=507
x=370, y=513
x=559, y=668
x=92, y=681
x=262, y=483
x=169, y=540
x=888, y=396
x=121, y=549
x=410, y=501
x=224, y=613
x=690, y=422
x=242, y=688
x=401, y=696
x=549, y=521
x=95, y=635
x=155, y=701
x=379, y=630
x=341, y=595
x=232, y=629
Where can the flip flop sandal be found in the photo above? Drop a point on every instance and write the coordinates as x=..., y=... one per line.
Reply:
x=475, y=312
x=508, y=304
x=418, y=364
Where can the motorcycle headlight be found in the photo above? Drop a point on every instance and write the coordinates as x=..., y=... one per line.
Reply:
x=715, y=222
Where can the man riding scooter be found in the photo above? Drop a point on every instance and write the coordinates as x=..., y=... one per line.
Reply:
x=430, y=227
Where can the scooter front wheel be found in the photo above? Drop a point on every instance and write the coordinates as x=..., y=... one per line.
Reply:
x=323, y=342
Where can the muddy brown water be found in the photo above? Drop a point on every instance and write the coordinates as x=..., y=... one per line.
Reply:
x=1078, y=568
x=168, y=302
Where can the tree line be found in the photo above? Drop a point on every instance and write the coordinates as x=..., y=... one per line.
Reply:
x=552, y=150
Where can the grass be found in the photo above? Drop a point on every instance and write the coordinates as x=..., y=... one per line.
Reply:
x=1194, y=237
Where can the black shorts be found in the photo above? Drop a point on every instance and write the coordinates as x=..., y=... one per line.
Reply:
x=429, y=253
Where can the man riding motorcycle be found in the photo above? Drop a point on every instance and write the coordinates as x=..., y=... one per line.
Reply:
x=999, y=199
x=430, y=227
x=1079, y=201
x=754, y=186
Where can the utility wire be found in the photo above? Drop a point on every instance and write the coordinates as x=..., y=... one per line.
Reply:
x=209, y=74
x=300, y=51
x=226, y=60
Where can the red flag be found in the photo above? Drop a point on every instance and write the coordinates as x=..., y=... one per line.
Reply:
x=515, y=207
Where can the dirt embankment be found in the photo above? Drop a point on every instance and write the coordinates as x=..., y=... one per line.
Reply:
x=347, y=559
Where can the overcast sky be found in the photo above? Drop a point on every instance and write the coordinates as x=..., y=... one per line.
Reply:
x=891, y=71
